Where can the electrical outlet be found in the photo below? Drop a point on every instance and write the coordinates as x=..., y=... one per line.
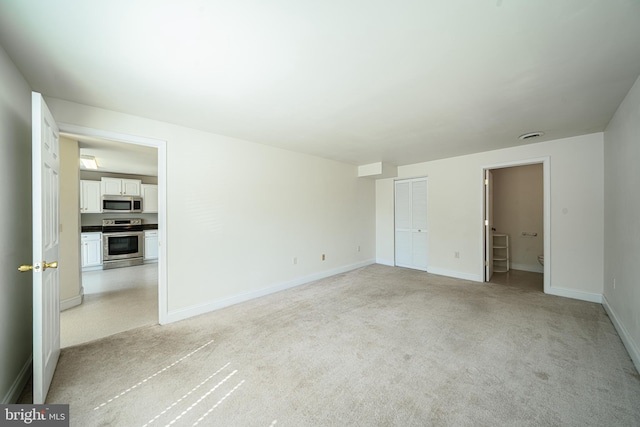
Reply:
x=358, y=248
x=456, y=254
x=323, y=257
x=295, y=259
x=614, y=283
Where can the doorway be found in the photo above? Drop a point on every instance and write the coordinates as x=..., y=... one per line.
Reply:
x=116, y=293
x=516, y=221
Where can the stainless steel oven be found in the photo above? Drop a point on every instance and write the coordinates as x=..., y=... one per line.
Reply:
x=122, y=242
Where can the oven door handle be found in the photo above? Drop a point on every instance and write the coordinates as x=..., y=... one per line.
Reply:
x=123, y=233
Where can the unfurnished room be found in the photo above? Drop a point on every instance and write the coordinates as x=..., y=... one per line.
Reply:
x=287, y=213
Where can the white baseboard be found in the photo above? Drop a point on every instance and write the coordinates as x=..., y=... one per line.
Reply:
x=71, y=302
x=196, y=310
x=527, y=267
x=438, y=271
x=455, y=274
x=387, y=262
x=632, y=347
x=21, y=380
x=572, y=293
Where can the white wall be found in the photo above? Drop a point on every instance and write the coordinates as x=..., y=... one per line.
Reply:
x=15, y=230
x=622, y=221
x=239, y=212
x=518, y=207
x=455, y=212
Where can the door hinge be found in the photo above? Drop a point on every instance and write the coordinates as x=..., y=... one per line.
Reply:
x=486, y=181
x=486, y=222
x=486, y=263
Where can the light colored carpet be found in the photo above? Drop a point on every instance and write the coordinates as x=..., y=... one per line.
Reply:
x=378, y=346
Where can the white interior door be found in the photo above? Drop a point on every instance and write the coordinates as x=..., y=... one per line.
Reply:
x=411, y=236
x=488, y=224
x=403, y=224
x=46, y=280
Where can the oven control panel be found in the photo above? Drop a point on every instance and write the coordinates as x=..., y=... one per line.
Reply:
x=130, y=221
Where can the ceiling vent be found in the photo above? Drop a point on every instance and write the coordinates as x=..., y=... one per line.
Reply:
x=531, y=135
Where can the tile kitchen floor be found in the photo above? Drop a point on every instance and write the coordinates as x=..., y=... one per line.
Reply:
x=132, y=302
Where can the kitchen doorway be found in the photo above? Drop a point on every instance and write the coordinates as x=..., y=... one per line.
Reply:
x=127, y=294
x=516, y=223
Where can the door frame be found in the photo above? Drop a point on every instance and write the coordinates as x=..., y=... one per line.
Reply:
x=546, y=185
x=488, y=225
x=161, y=146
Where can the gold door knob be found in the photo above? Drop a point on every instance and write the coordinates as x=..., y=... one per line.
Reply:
x=46, y=265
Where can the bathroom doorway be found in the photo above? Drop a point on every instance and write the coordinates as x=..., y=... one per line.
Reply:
x=516, y=223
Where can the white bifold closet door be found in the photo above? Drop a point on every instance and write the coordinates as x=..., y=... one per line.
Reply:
x=411, y=223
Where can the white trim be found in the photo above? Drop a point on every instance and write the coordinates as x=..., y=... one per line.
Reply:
x=70, y=302
x=196, y=310
x=456, y=274
x=632, y=347
x=575, y=294
x=411, y=267
x=109, y=135
x=546, y=172
x=13, y=394
x=385, y=262
x=161, y=146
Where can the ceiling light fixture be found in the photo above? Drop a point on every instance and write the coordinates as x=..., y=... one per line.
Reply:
x=89, y=162
x=531, y=135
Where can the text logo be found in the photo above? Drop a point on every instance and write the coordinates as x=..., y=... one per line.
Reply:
x=34, y=415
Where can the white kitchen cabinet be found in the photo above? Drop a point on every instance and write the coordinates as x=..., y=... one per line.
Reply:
x=120, y=186
x=150, y=245
x=91, y=248
x=131, y=187
x=90, y=197
x=149, y=198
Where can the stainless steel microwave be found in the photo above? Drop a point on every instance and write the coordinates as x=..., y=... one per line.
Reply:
x=121, y=204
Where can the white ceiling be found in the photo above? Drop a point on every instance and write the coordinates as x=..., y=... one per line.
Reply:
x=118, y=157
x=358, y=81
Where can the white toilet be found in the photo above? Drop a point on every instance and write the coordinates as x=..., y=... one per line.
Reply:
x=541, y=260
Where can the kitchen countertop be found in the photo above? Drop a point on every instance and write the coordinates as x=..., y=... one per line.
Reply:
x=98, y=228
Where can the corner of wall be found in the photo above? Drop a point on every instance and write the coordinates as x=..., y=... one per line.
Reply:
x=13, y=394
x=15, y=168
x=632, y=347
